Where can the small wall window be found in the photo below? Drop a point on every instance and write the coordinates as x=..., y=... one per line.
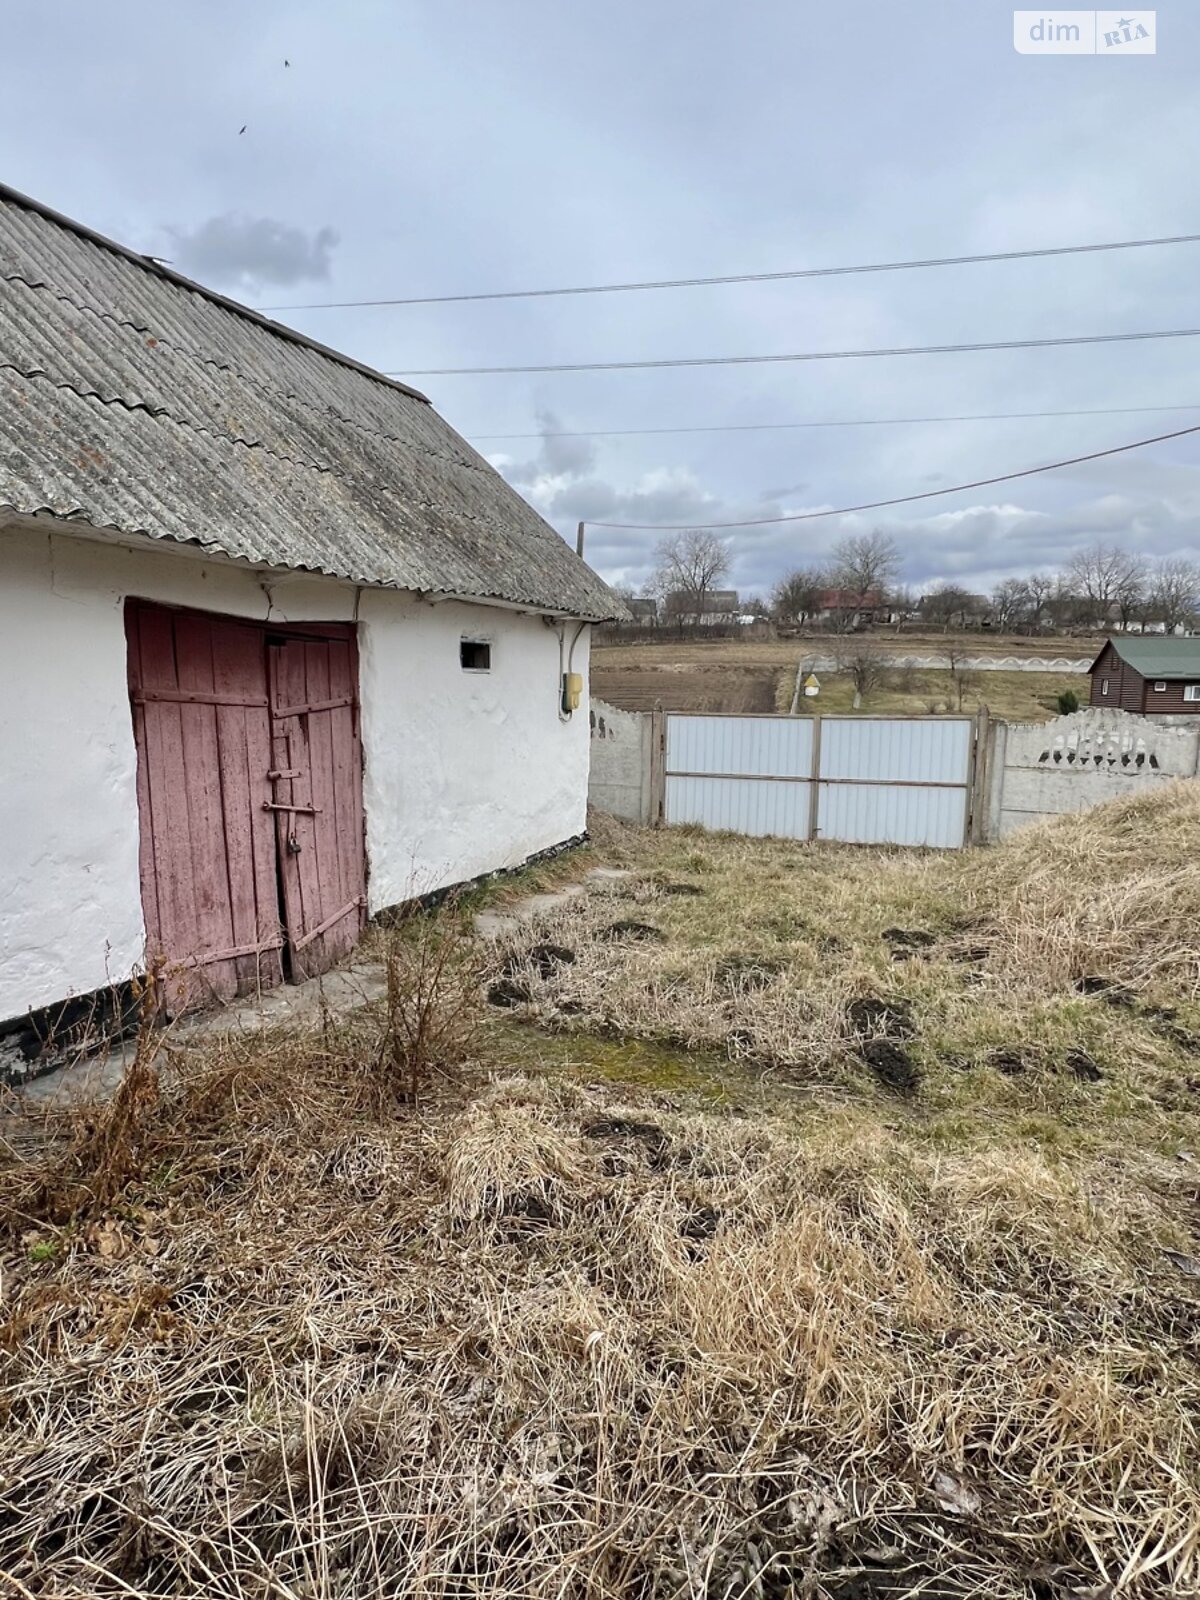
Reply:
x=1103, y=685
x=1160, y=687
x=1191, y=691
x=475, y=655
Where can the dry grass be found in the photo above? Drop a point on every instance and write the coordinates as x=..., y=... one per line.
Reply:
x=560, y=1338
x=764, y=946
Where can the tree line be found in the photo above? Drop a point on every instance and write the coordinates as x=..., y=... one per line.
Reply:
x=1100, y=587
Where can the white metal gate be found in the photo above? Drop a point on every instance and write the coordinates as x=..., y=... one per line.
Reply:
x=866, y=780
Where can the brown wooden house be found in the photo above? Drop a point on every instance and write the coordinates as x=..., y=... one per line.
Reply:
x=1149, y=676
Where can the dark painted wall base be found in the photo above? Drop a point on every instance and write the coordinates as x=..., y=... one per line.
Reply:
x=54, y=1035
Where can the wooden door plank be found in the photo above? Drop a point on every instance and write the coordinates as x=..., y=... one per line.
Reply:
x=340, y=682
x=325, y=831
x=168, y=790
x=348, y=745
x=157, y=636
x=265, y=845
x=194, y=647
x=289, y=753
x=147, y=876
x=241, y=662
x=235, y=669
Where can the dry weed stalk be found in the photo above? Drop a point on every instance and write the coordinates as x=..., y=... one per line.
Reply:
x=433, y=976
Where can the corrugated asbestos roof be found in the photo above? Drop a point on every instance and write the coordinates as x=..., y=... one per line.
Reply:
x=137, y=401
x=1161, y=657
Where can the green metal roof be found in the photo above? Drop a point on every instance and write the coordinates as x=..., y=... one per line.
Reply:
x=1159, y=657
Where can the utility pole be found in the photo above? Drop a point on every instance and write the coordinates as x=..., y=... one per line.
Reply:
x=579, y=540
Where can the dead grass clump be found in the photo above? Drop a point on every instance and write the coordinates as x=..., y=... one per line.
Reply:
x=1113, y=892
x=509, y=1161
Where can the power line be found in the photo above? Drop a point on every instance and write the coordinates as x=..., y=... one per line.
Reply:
x=899, y=500
x=806, y=355
x=852, y=422
x=743, y=277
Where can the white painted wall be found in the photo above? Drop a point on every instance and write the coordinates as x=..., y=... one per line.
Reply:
x=464, y=773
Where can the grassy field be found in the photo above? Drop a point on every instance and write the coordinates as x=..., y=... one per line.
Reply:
x=759, y=675
x=808, y=1222
x=1015, y=696
x=721, y=686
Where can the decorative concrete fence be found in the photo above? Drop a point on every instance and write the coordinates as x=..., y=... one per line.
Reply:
x=933, y=661
x=1041, y=769
x=1013, y=774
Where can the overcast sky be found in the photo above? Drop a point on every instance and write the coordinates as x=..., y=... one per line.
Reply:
x=446, y=146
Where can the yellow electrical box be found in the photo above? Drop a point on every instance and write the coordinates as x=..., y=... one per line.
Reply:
x=572, y=690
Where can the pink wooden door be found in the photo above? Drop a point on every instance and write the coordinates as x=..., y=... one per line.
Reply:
x=317, y=778
x=208, y=865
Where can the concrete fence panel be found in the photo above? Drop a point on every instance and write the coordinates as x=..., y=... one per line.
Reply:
x=621, y=776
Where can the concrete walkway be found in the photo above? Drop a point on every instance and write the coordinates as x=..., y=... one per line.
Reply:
x=508, y=919
x=347, y=987
x=339, y=991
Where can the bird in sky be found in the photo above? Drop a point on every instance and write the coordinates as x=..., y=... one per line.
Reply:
x=243, y=128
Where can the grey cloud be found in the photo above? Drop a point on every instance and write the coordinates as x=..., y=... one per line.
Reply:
x=247, y=251
x=557, y=457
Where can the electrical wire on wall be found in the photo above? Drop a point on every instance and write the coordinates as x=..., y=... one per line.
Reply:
x=565, y=669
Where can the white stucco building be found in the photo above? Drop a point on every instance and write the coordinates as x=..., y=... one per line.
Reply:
x=278, y=649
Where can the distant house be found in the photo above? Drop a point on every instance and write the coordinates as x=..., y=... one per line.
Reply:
x=644, y=610
x=851, y=610
x=279, y=650
x=716, y=608
x=721, y=606
x=1153, y=676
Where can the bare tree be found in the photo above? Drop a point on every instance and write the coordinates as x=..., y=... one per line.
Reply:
x=864, y=565
x=1068, y=606
x=1040, y=587
x=865, y=663
x=689, y=566
x=1110, y=578
x=797, y=596
x=962, y=677
x=948, y=603
x=1012, y=605
x=1174, y=592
